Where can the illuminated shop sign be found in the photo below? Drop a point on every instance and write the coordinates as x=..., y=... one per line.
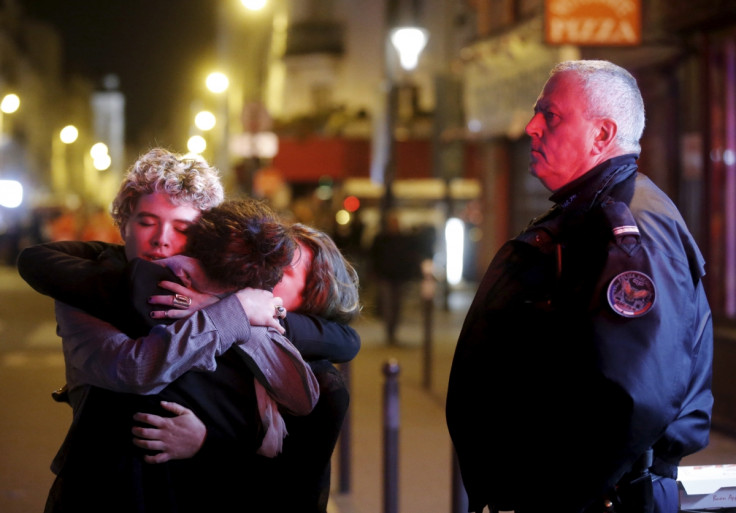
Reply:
x=593, y=22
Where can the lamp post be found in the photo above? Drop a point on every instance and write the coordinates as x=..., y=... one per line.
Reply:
x=254, y=5
x=245, y=46
x=408, y=43
x=218, y=83
x=204, y=121
x=100, y=154
x=196, y=144
x=9, y=105
x=60, y=175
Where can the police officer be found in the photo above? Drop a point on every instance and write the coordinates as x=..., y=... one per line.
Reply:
x=582, y=373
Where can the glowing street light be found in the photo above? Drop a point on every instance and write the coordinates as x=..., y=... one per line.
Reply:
x=205, y=120
x=68, y=134
x=60, y=153
x=102, y=163
x=217, y=82
x=254, y=5
x=101, y=159
x=98, y=150
x=196, y=144
x=10, y=103
x=409, y=43
x=11, y=193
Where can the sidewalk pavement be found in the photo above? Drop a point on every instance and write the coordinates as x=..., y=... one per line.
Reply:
x=425, y=473
x=424, y=443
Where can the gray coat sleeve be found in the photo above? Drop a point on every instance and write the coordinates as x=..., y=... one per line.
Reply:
x=97, y=353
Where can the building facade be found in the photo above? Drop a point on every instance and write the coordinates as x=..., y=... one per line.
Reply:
x=683, y=55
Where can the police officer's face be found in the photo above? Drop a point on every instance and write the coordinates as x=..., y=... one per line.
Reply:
x=563, y=139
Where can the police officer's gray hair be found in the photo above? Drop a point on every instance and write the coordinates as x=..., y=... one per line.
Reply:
x=611, y=92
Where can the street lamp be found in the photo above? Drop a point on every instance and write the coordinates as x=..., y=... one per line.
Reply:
x=9, y=104
x=246, y=47
x=408, y=43
x=218, y=83
x=11, y=193
x=254, y=5
x=59, y=170
x=205, y=120
x=100, y=156
x=68, y=134
x=196, y=144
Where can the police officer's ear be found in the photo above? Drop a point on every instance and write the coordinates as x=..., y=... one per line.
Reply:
x=606, y=130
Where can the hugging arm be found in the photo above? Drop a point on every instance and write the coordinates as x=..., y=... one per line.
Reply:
x=99, y=354
x=317, y=338
x=95, y=277
x=102, y=355
x=272, y=359
x=280, y=368
x=88, y=275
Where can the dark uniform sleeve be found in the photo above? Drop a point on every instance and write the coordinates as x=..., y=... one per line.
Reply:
x=488, y=397
x=317, y=338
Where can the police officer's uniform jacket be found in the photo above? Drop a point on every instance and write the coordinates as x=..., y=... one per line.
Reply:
x=589, y=341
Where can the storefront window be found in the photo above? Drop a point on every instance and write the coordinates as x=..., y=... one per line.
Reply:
x=720, y=161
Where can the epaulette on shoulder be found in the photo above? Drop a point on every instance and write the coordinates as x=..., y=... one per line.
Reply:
x=622, y=224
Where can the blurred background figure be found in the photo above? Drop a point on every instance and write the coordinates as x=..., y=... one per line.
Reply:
x=395, y=262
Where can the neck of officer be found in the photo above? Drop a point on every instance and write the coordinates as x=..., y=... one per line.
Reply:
x=584, y=191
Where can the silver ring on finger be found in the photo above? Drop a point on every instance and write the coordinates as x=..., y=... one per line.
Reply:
x=182, y=301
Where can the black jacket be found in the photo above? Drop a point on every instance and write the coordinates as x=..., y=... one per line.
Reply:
x=589, y=341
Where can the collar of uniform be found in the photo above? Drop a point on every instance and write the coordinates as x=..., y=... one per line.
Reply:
x=583, y=191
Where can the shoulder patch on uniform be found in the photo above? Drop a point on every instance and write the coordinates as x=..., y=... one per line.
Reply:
x=631, y=294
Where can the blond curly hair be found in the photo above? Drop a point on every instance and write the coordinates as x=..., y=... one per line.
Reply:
x=187, y=181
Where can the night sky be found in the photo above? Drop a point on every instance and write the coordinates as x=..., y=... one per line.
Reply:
x=154, y=46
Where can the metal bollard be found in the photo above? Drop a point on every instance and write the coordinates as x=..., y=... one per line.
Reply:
x=428, y=291
x=344, y=454
x=391, y=437
x=459, y=495
x=428, y=308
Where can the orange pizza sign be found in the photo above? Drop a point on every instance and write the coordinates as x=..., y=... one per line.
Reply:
x=593, y=22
